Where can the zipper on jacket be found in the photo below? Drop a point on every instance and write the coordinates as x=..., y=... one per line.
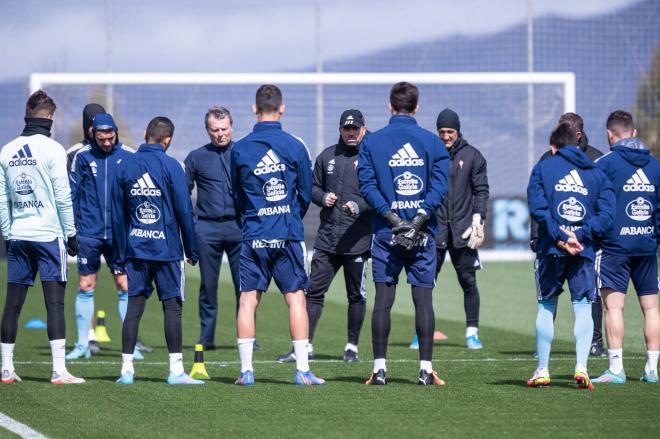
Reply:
x=105, y=200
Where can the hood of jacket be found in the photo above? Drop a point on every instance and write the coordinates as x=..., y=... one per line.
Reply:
x=633, y=151
x=574, y=154
x=104, y=122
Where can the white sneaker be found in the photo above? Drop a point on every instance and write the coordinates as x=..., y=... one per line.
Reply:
x=65, y=378
x=10, y=377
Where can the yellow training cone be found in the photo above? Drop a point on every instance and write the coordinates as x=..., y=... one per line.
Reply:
x=199, y=370
x=101, y=331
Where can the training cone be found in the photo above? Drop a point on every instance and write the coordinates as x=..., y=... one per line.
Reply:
x=199, y=370
x=101, y=331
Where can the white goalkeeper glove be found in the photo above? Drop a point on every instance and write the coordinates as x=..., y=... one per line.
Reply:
x=475, y=232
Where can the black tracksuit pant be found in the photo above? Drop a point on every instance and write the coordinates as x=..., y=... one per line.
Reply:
x=324, y=268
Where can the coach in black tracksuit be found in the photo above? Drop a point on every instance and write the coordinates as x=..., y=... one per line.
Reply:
x=577, y=124
x=344, y=235
x=461, y=216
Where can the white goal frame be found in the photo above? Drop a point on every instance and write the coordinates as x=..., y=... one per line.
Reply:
x=564, y=79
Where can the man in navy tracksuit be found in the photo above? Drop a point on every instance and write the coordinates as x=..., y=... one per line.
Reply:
x=403, y=175
x=151, y=215
x=573, y=203
x=218, y=229
x=630, y=245
x=93, y=172
x=272, y=182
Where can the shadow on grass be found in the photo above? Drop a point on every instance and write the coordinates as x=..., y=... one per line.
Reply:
x=362, y=379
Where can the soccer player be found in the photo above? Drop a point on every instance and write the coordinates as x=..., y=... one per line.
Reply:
x=344, y=236
x=403, y=175
x=461, y=217
x=36, y=218
x=88, y=114
x=218, y=228
x=272, y=183
x=93, y=172
x=577, y=124
x=629, y=248
x=151, y=215
x=573, y=203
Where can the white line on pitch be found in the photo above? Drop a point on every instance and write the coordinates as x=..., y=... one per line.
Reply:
x=232, y=363
x=18, y=428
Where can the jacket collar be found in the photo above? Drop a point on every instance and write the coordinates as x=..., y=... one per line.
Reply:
x=403, y=118
x=270, y=125
x=457, y=146
x=151, y=147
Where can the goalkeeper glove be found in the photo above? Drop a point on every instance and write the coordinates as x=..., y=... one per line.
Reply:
x=72, y=247
x=407, y=234
x=475, y=232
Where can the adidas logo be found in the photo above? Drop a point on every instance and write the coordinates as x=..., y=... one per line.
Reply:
x=406, y=156
x=571, y=183
x=269, y=163
x=23, y=157
x=146, y=187
x=349, y=121
x=639, y=182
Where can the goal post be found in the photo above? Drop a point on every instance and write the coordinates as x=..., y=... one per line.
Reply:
x=493, y=107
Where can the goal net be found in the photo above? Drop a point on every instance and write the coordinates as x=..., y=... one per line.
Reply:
x=496, y=112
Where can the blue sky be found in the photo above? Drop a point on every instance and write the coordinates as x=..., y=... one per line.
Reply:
x=248, y=35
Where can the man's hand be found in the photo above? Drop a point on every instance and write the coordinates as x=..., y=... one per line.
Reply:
x=72, y=247
x=572, y=246
x=475, y=232
x=352, y=208
x=191, y=262
x=329, y=199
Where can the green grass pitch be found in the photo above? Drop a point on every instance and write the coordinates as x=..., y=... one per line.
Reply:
x=485, y=395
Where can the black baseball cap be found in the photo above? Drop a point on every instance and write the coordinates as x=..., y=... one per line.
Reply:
x=351, y=118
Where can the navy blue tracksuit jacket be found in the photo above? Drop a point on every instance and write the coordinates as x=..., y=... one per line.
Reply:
x=568, y=190
x=403, y=167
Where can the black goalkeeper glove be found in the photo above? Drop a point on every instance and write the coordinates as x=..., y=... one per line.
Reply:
x=72, y=247
x=407, y=234
x=393, y=220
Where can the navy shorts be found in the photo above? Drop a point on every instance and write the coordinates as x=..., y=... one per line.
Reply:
x=614, y=272
x=551, y=272
x=89, y=257
x=169, y=277
x=26, y=258
x=283, y=261
x=389, y=258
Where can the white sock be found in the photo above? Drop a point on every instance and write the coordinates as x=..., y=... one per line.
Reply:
x=616, y=360
x=176, y=363
x=91, y=335
x=651, y=361
x=426, y=365
x=127, y=364
x=58, y=350
x=379, y=363
x=350, y=347
x=471, y=330
x=310, y=348
x=8, y=356
x=302, y=358
x=580, y=368
x=245, y=346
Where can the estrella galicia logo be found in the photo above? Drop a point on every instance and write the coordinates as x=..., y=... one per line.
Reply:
x=571, y=210
x=147, y=213
x=274, y=189
x=408, y=184
x=23, y=184
x=23, y=157
x=639, y=209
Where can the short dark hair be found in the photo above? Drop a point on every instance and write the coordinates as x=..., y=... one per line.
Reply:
x=218, y=112
x=159, y=129
x=404, y=97
x=563, y=135
x=620, y=122
x=39, y=104
x=574, y=120
x=268, y=99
